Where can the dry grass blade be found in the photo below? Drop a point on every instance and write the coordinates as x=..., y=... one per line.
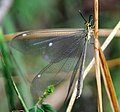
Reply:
x=114, y=62
x=111, y=63
x=72, y=100
x=106, y=32
x=108, y=83
x=4, y=8
x=96, y=50
x=98, y=78
x=102, y=32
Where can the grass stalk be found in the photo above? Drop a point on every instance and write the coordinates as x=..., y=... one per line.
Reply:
x=7, y=74
x=96, y=50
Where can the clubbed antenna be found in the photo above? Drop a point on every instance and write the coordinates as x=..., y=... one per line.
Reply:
x=90, y=18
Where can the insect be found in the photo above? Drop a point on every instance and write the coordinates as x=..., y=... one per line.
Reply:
x=65, y=50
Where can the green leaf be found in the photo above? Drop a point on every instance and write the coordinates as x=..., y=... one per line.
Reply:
x=6, y=70
x=48, y=108
x=36, y=109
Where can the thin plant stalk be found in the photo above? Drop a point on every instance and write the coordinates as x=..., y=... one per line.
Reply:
x=52, y=32
x=108, y=83
x=96, y=50
x=5, y=65
x=5, y=61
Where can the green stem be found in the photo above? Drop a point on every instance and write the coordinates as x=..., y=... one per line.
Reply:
x=19, y=96
x=6, y=66
x=49, y=90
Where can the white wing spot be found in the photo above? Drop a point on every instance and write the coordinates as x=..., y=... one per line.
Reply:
x=39, y=75
x=50, y=44
x=24, y=34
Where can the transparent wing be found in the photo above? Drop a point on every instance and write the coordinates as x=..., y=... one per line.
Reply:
x=52, y=47
x=54, y=73
x=62, y=51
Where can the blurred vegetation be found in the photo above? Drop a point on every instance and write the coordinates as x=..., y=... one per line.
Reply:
x=40, y=14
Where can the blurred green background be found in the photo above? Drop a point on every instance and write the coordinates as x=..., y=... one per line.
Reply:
x=41, y=14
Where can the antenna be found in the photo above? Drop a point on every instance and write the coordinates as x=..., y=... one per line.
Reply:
x=83, y=16
x=90, y=18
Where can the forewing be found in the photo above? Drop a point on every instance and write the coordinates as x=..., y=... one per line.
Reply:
x=53, y=48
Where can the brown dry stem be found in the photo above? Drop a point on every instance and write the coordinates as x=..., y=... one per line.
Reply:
x=108, y=82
